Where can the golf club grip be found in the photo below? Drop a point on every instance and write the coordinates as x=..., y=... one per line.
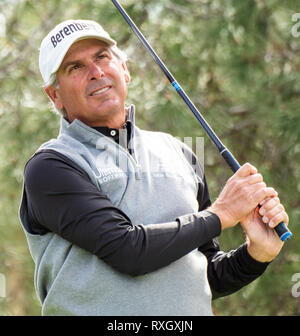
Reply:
x=282, y=231
x=230, y=160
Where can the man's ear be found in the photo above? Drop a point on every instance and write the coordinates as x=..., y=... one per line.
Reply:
x=54, y=95
x=126, y=73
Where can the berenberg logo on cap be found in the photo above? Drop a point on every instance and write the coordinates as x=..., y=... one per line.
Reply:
x=70, y=29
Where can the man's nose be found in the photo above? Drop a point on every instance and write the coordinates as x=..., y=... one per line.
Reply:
x=95, y=71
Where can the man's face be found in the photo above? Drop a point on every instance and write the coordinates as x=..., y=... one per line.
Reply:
x=92, y=85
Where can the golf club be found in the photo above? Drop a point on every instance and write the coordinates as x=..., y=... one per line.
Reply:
x=282, y=231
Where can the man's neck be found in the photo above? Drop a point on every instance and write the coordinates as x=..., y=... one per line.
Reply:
x=115, y=122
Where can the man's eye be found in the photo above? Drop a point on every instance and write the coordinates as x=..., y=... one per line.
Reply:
x=74, y=67
x=102, y=55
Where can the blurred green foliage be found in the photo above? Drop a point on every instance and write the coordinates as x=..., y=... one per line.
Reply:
x=238, y=62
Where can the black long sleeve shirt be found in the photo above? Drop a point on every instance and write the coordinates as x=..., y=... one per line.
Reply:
x=62, y=199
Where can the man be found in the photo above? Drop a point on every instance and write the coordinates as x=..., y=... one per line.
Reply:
x=119, y=220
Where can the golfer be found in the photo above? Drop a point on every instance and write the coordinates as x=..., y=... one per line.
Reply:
x=118, y=219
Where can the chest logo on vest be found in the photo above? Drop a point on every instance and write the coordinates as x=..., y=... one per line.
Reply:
x=109, y=174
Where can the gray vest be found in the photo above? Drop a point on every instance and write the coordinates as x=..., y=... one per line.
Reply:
x=155, y=184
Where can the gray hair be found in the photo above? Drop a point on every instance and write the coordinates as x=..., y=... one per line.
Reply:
x=121, y=55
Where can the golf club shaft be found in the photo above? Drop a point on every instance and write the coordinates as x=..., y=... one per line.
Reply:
x=280, y=229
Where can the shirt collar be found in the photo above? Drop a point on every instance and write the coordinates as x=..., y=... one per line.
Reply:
x=115, y=133
x=118, y=134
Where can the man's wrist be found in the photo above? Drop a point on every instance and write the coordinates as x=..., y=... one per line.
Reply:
x=215, y=209
x=258, y=253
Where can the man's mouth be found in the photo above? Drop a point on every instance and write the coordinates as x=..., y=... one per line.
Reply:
x=100, y=91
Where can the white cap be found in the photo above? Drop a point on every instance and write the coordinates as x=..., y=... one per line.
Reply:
x=56, y=44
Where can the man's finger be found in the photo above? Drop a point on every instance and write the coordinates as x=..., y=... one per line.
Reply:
x=267, y=204
x=280, y=217
x=254, y=178
x=269, y=215
x=263, y=193
x=246, y=170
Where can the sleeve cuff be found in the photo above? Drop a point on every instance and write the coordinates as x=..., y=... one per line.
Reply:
x=204, y=225
x=253, y=266
x=213, y=222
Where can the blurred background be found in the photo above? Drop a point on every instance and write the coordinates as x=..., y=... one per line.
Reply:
x=239, y=61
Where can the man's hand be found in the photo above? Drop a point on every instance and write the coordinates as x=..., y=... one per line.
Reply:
x=263, y=242
x=240, y=196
